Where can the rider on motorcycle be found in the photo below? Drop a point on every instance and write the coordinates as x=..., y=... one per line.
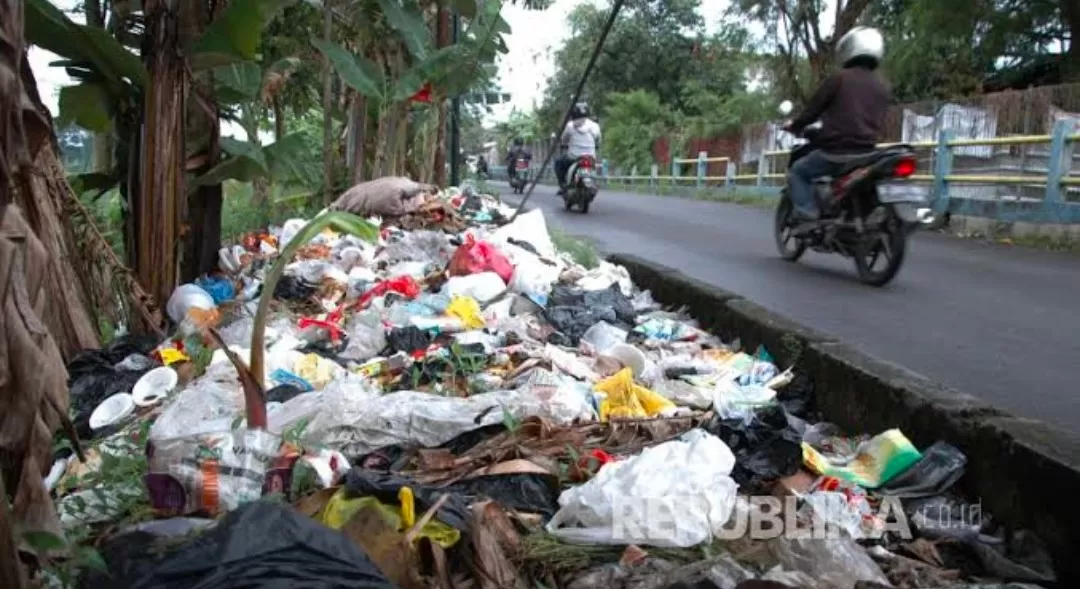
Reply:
x=581, y=137
x=517, y=151
x=851, y=105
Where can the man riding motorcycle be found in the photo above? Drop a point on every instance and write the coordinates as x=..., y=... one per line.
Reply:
x=851, y=105
x=581, y=137
x=517, y=151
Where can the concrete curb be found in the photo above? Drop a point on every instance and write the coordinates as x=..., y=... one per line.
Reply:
x=1026, y=473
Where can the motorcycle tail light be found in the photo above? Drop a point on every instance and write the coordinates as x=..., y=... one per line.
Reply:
x=905, y=167
x=587, y=163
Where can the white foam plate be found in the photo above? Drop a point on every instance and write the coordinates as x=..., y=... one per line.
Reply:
x=154, y=386
x=112, y=411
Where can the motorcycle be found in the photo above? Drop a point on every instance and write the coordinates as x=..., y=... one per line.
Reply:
x=868, y=209
x=520, y=179
x=581, y=184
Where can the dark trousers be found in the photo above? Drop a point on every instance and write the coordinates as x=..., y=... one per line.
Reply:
x=562, y=166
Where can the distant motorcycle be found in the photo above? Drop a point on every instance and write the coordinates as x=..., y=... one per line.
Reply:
x=520, y=179
x=581, y=184
x=867, y=210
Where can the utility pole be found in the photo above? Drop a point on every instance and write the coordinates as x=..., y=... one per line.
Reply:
x=455, y=119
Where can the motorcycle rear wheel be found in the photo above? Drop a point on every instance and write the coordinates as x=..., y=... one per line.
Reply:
x=783, y=232
x=892, y=243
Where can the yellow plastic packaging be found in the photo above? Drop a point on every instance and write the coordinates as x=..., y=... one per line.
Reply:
x=627, y=399
x=467, y=310
x=340, y=509
x=314, y=369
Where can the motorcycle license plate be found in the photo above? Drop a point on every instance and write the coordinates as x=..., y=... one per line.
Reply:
x=890, y=192
x=522, y=166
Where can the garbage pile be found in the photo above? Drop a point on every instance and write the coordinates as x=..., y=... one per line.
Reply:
x=459, y=404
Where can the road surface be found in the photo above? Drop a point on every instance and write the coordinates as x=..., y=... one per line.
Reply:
x=999, y=323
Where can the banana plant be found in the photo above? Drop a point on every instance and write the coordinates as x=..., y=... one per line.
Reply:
x=449, y=69
x=242, y=85
x=252, y=378
x=111, y=78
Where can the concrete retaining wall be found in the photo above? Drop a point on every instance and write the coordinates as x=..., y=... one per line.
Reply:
x=1026, y=473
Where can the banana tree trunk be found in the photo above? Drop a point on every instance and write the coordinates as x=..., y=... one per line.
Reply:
x=161, y=202
x=202, y=234
x=328, y=104
x=358, y=122
x=442, y=39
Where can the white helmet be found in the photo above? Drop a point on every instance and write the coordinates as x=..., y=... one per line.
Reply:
x=860, y=42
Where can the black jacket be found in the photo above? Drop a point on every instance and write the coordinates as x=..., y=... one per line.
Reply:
x=851, y=105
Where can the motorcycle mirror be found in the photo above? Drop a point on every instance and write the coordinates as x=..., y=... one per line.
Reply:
x=786, y=107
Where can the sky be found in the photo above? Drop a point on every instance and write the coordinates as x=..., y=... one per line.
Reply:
x=536, y=35
x=523, y=72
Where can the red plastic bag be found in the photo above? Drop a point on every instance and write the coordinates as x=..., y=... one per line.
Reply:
x=403, y=285
x=474, y=257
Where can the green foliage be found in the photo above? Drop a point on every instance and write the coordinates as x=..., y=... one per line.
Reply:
x=86, y=105
x=49, y=28
x=578, y=249
x=234, y=35
x=634, y=121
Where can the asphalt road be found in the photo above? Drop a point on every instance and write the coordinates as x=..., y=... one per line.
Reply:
x=997, y=322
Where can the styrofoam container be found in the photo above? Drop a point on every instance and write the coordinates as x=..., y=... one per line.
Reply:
x=112, y=411
x=629, y=355
x=154, y=386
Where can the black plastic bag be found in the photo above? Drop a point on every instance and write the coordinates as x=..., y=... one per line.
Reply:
x=766, y=449
x=797, y=397
x=292, y=288
x=93, y=377
x=282, y=393
x=262, y=545
x=408, y=339
x=940, y=467
x=385, y=486
x=572, y=312
x=527, y=492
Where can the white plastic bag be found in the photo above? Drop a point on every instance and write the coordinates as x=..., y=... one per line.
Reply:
x=185, y=298
x=482, y=286
x=353, y=423
x=676, y=494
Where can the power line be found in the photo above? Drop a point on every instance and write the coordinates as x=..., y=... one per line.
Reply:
x=616, y=6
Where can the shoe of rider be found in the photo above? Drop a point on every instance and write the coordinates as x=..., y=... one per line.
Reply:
x=852, y=105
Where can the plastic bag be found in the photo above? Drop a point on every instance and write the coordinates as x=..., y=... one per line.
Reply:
x=483, y=286
x=534, y=278
x=188, y=297
x=624, y=399
x=605, y=275
x=220, y=289
x=96, y=375
x=529, y=227
x=467, y=310
x=474, y=257
x=675, y=494
x=767, y=447
x=940, y=467
x=212, y=473
x=877, y=461
x=264, y=545
x=367, y=337
x=573, y=311
x=836, y=562
x=602, y=336
x=357, y=427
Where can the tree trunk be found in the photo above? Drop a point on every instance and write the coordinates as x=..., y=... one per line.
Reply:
x=279, y=118
x=442, y=39
x=202, y=224
x=161, y=199
x=1070, y=12
x=33, y=392
x=328, y=104
x=358, y=122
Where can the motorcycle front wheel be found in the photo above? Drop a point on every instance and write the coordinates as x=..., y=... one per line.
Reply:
x=790, y=247
x=879, y=255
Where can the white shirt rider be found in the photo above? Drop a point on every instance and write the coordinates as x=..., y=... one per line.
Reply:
x=580, y=137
